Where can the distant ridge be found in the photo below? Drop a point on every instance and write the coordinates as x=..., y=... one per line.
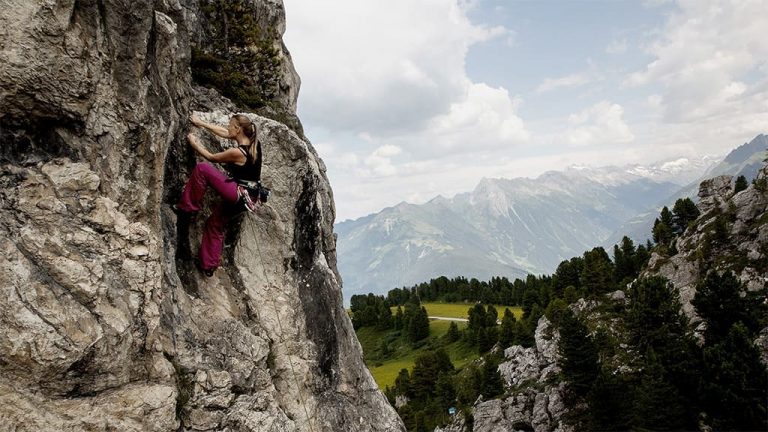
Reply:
x=504, y=227
x=745, y=160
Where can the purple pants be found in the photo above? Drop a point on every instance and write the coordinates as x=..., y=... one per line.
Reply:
x=203, y=176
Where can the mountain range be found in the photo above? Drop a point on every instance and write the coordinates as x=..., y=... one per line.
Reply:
x=744, y=160
x=512, y=227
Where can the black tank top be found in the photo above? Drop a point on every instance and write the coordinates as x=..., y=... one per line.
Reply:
x=250, y=171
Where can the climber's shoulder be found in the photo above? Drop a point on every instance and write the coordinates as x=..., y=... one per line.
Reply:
x=233, y=155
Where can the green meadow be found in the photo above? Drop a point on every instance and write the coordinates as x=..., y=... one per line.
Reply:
x=459, y=310
x=403, y=355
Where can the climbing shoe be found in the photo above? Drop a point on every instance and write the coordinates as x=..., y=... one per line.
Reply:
x=208, y=272
x=180, y=212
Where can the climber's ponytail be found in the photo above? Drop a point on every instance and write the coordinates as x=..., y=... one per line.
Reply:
x=252, y=132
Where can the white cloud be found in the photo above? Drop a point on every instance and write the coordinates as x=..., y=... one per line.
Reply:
x=380, y=67
x=379, y=162
x=600, y=124
x=702, y=56
x=573, y=80
x=485, y=118
x=386, y=93
x=654, y=102
x=387, y=151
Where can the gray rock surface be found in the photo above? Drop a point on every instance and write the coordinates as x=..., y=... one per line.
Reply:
x=714, y=192
x=525, y=371
x=745, y=252
x=104, y=323
x=459, y=424
x=524, y=410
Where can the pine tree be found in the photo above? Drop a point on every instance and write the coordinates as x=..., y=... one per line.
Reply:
x=683, y=213
x=444, y=391
x=741, y=184
x=658, y=405
x=421, y=425
x=530, y=299
x=484, y=342
x=426, y=369
x=402, y=383
x=642, y=255
x=418, y=328
x=491, y=383
x=662, y=228
x=609, y=403
x=468, y=385
x=476, y=321
x=720, y=233
x=597, y=275
x=579, y=365
x=507, y=333
x=491, y=316
x=654, y=319
x=555, y=310
x=568, y=274
x=720, y=304
x=655, y=322
x=384, y=319
x=453, y=333
x=735, y=382
x=492, y=332
x=578, y=353
x=524, y=333
x=397, y=323
x=384, y=349
x=625, y=268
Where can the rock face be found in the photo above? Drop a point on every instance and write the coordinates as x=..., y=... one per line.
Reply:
x=536, y=401
x=713, y=193
x=742, y=248
x=104, y=323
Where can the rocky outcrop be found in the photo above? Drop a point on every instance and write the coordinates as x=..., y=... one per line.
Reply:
x=535, y=401
x=527, y=410
x=731, y=234
x=535, y=364
x=105, y=323
x=715, y=192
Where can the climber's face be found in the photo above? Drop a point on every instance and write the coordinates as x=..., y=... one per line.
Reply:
x=233, y=127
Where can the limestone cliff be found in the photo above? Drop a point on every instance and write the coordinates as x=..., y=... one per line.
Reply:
x=104, y=323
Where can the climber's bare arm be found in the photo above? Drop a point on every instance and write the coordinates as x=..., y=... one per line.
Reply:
x=229, y=155
x=216, y=129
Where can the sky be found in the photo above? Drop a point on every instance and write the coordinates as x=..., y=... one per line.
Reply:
x=405, y=100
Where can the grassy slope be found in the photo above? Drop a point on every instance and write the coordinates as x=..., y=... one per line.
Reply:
x=404, y=356
x=459, y=310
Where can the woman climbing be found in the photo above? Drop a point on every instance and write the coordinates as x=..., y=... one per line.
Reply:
x=244, y=166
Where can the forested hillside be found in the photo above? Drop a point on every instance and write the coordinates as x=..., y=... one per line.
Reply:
x=662, y=336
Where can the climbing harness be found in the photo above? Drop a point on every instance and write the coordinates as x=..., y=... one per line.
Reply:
x=277, y=314
x=247, y=190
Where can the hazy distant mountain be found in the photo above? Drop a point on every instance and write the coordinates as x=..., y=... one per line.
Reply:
x=503, y=227
x=745, y=160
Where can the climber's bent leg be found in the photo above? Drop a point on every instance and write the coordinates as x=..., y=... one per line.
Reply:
x=213, y=237
x=202, y=176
